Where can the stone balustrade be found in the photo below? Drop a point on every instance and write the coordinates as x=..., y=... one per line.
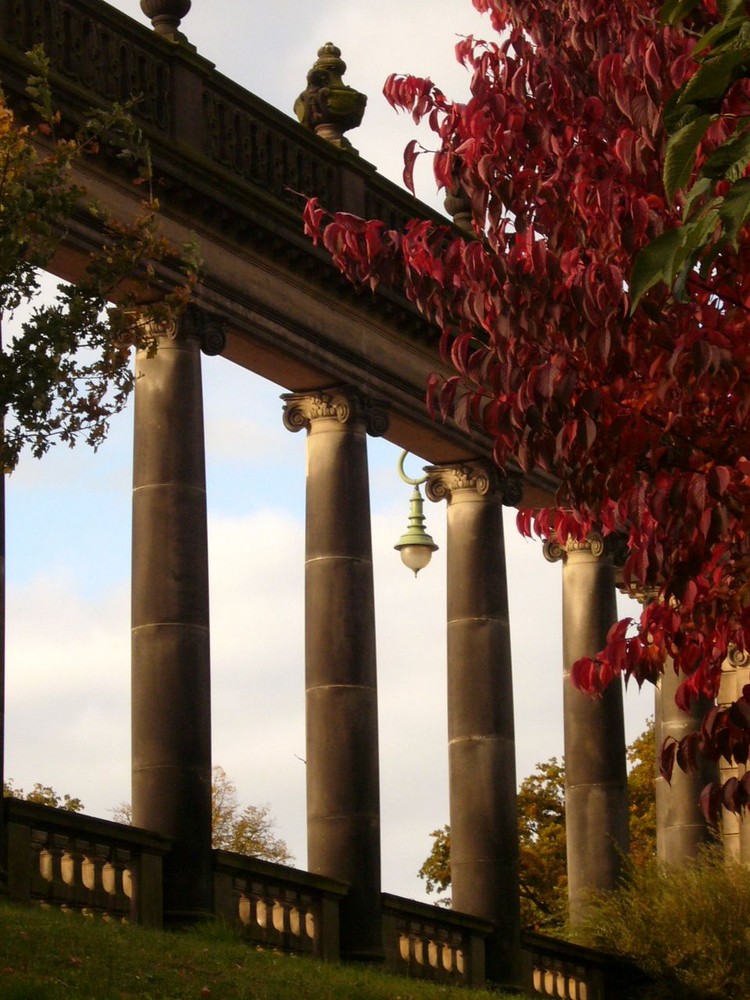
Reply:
x=429, y=942
x=275, y=906
x=553, y=968
x=82, y=863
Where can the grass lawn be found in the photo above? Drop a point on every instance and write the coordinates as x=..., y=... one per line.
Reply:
x=49, y=955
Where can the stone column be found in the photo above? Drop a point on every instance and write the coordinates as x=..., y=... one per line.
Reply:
x=3, y=604
x=680, y=826
x=171, y=709
x=343, y=795
x=596, y=791
x=735, y=828
x=481, y=747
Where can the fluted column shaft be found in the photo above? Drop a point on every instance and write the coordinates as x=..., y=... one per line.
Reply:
x=482, y=769
x=596, y=791
x=343, y=796
x=171, y=709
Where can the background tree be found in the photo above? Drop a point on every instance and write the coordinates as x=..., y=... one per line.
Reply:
x=243, y=829
x=45, y=795
x=541, y=831
x=641, y=410
x=65, y=371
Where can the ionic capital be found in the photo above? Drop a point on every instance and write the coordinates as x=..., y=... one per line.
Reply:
x=193, y=324
x=594, y=544
x=737, y=657
x=478, y=475
x=341, y=403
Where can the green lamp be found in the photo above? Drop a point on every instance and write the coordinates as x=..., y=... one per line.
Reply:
x=415, y=545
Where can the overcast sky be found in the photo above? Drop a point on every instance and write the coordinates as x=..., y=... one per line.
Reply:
x=67, y=717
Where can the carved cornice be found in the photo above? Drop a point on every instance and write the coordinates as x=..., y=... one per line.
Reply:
x=341, y=403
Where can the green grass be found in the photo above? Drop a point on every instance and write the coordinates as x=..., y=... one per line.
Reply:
x=49, y=955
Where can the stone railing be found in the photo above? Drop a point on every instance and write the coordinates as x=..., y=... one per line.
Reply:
x=278, y=907
x=553, y=968
x=429, y=942
x=192, y=114
x=79, y=862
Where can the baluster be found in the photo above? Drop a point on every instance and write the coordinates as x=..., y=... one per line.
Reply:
x=245, y=909
x=118, y=862
x=432, y=954
x=310, y=924
x=447, y=957
x=419, y=948
x=261, y=913
x=562, y=985
x=280, y=916
x=72, y=872
x=460, y=961
x=127, y=883
x=56, y=848
x=41, y=867
x=404, y=946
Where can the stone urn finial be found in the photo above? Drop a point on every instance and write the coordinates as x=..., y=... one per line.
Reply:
x=166, y=16
x=327, y=106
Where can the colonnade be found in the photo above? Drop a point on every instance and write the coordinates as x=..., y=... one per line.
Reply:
x=171, y=672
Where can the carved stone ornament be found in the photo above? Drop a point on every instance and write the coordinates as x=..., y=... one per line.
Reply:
x=554, y=550
x=479, y=475
x=328, y=106
x=738, y=657
x=341, y=403
x=512, y=488
x=166, y=15
x=458, y=206
x=196, y=324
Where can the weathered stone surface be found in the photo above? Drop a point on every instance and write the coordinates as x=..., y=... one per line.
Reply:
x=681, y=828
x=171, y=700
x=328, y=106
x=343, y=795
x=596, y=796
x=481, y=749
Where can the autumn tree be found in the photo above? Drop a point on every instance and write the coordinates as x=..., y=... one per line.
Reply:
x=44, y=795
x=243, y=829
x=638, y=409
x=543, y=885
x=65, y=370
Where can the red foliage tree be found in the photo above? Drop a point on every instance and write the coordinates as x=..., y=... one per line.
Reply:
x=642, y=413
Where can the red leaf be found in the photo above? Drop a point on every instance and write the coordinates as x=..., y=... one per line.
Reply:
x=667, y=759
x=710, y=803
x=411, y=153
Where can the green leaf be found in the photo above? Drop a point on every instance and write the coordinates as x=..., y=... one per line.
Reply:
x=730, y=159
x=701, y=187
x=676, y=115
x=695, y=237
x=675, y=10
x=680, y=156
x=734, y=209
x=726, y=30
x=653, y=264
x=714, y=76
